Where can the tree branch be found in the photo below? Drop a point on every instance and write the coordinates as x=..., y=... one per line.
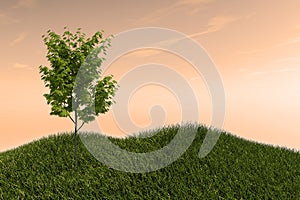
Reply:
x=71, y=119
x=81, y=126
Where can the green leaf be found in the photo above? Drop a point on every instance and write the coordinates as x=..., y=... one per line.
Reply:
x=66, y=54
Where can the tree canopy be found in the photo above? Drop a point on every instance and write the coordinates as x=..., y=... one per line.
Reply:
x=86, y=94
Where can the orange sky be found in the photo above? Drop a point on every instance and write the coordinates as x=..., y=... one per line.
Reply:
x=255, y=46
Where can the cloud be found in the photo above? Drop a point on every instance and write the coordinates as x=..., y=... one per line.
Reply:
x=195, y=78
x=192, y=2
x=193, y=6
x=5, y=19
x=19, y=39
x=144, y=53
x=288, y=59
x=289, y=41
x=165, y=11
x=269, y=72
x=21, y=66
x=289, y=69
x=156, y=15
x=24, y=4
x=251, y=52
x=214, y=24
x=217, y=23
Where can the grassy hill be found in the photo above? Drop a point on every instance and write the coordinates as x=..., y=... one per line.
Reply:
x=234, y=169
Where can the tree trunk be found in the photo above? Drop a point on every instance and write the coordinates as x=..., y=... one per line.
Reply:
x=75, y=141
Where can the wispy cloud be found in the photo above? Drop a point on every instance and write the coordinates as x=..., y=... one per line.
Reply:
x=194, y=6
x=5, y=19
x=155, y=16
x=192, y=2
x=256, y=73
x=251, y=52
x=166, y=11
x=288, y=59
x=21, y=66
x=196, y=78
x=272, y=71
x=289, y=41
x=144, y=53
x=216, y=24
x=25, y=4
x=20, y=38
x=289, y=69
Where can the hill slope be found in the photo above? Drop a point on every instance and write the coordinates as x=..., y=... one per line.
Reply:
x=234, y=169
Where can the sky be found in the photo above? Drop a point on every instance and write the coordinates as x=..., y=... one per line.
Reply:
x=255, y=46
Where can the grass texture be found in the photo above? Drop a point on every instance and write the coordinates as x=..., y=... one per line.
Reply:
x=234, y=169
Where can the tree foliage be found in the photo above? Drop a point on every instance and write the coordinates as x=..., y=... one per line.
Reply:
x=83, y=93
x=66, y=54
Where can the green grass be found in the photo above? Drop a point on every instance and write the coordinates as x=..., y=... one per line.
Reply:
x=234, y=169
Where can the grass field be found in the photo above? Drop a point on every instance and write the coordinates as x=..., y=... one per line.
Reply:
x=234, y=169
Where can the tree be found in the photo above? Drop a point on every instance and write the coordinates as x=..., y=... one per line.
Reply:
x=86, y=95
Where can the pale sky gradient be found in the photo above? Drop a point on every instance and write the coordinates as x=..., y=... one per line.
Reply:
x=255, y=46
